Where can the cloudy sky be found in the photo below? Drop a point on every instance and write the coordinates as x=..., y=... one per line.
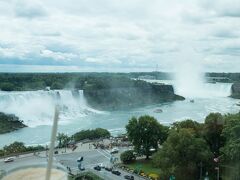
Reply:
x=119, y=35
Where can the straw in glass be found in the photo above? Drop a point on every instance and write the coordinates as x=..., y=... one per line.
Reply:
x=52, y=143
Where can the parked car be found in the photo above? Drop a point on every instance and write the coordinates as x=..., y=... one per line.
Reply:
x=101, y=165
x=80, y=159
x=74, y=147
x=10, y=159
x=129, y=177
x=98, y=168
x=108, y=169
x=116, y=172
x=82, y=168
x=114, y=150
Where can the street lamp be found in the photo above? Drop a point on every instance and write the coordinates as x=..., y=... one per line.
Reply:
x=206, y=177
x=216, y=160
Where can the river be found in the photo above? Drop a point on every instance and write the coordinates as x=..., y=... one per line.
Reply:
x=35, y=108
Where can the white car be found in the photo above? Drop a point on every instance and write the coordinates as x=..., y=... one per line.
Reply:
x=114, y=150
x=101, y=165
x=10, y=159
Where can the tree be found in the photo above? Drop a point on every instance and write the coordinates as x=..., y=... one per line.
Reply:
x=189, y=124
x=231, y=150
x=35, y=148
x=10, y=123
x=213, y=127
x=60, y=137
x=91, y=134
x=56, y=85
x=100, y=132
x=145, y=133
x=14, y=148
x=7, y=86
x=181, y=155
x=63, y=140
x=2, y=152
x=127, y=157
x=231, y=133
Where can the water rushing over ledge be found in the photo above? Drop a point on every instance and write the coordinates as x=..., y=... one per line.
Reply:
x=36, y=108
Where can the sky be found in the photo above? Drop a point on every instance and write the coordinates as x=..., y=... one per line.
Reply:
x=119, y=35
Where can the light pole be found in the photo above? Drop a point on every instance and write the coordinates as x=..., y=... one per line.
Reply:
x=206, y=177
x=201, y=170
x=218, y=173
x=216, y=160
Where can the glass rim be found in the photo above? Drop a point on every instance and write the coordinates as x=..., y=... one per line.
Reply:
x=56, y=166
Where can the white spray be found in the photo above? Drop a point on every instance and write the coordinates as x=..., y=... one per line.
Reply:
x=190, y=80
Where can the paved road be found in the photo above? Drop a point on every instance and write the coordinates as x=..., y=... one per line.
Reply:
x=19, y=162
x=92, y=157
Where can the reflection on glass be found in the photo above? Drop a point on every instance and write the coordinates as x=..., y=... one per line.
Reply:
x=36, y=172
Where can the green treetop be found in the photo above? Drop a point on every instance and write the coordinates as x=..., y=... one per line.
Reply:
x=145, y=133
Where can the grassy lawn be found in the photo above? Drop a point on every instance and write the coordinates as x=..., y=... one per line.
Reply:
x=145, y=166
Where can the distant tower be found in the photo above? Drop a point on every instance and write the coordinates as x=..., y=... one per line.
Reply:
x=156, y=72
x=156, y=67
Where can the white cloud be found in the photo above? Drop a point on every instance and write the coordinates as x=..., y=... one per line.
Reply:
x=120, y=33
x=59, y=56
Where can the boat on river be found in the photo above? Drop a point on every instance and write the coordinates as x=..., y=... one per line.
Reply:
x=158, y=111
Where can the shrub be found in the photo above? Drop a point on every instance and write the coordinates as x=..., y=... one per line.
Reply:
x=7, y=86
x=127, y=157
x=1, y=152
x=153, y=176
x=91, y=134
x=88, y=176
x=19, y=147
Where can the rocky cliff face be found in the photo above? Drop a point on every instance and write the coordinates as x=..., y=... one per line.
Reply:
x=130, y=97
x=9, y=122
x=236, y=90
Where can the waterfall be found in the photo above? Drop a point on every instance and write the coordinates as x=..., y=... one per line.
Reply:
x=36, y=107
x=204, y=90
x=218, y=89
